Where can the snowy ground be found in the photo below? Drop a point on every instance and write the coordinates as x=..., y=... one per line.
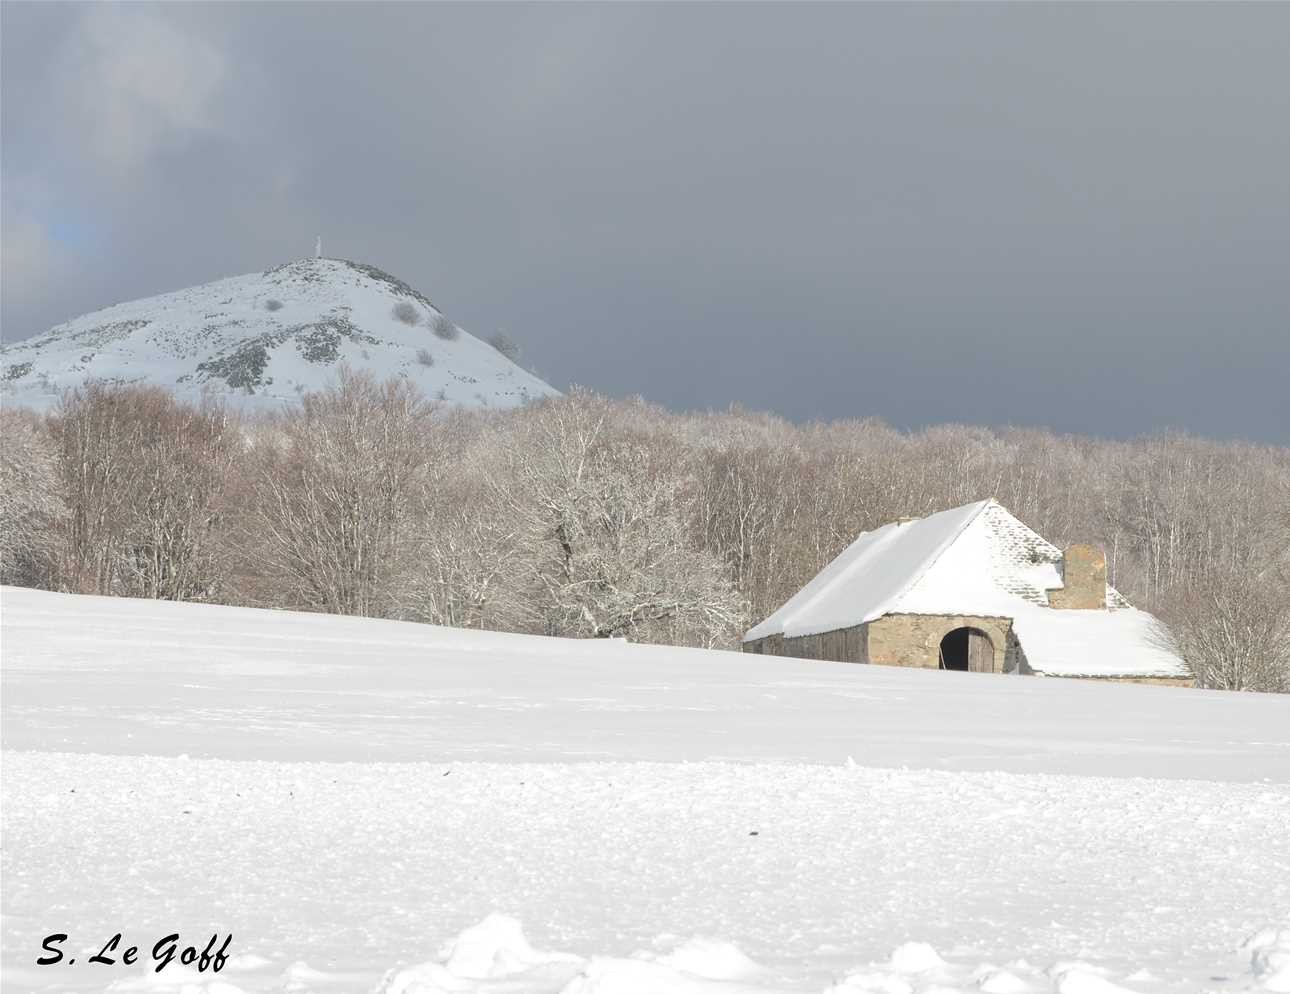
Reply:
x=94, y=674
x=520, y=798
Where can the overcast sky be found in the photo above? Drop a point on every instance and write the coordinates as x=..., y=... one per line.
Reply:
x=1074, y=216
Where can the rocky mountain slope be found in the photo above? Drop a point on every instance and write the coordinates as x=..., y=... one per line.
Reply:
x=261, y=340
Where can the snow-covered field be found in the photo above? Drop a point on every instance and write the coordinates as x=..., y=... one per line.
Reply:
x=371, y=805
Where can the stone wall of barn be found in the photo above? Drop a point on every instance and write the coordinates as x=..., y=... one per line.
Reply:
x=1152, y=681
x=897, y=640
x=915, y=639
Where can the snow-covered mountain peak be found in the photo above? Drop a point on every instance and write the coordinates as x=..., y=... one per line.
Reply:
x=263, y=339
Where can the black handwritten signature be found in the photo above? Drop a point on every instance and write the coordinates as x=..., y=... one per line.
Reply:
x=165, y=951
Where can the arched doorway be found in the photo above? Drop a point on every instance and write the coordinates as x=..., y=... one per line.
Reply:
x=968, y=649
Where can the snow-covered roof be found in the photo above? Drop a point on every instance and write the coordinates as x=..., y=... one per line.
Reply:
x=1122, y=642
x=974, y=560
x=868, y=579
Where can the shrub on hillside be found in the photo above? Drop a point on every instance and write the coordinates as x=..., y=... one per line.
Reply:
x=445, y=329
x=506, y=345
x=406, y=312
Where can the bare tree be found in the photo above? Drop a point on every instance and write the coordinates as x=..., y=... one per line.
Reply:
x=466, y=572
x=178, y=514
x=96, y=436
x=331, y=518
x=1234, y=630
x=605, y=541
x=142, y=476
x=31, y=505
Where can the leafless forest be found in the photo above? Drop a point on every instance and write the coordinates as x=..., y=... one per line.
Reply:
x=590, y=517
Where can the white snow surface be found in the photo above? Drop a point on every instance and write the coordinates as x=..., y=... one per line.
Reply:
x=975, y=560
x=372, y=806
x=82, y=673
x=869, y=577
x=260, y=340
x=1094, y=643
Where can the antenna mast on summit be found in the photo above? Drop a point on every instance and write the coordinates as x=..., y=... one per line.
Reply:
x=318, y=248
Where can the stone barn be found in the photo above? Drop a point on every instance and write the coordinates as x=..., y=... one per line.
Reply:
x=972, y=589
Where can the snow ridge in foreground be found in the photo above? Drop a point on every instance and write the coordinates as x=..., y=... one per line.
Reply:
x=495, y=957
x=799, y=878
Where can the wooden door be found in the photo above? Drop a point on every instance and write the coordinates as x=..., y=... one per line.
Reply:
x=980, y=652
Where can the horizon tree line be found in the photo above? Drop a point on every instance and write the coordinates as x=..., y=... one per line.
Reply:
x=588, y=517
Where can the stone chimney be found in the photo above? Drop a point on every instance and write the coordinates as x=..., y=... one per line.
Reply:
x=1084, y=576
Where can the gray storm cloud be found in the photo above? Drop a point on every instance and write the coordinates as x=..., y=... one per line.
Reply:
x=1068, y=215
